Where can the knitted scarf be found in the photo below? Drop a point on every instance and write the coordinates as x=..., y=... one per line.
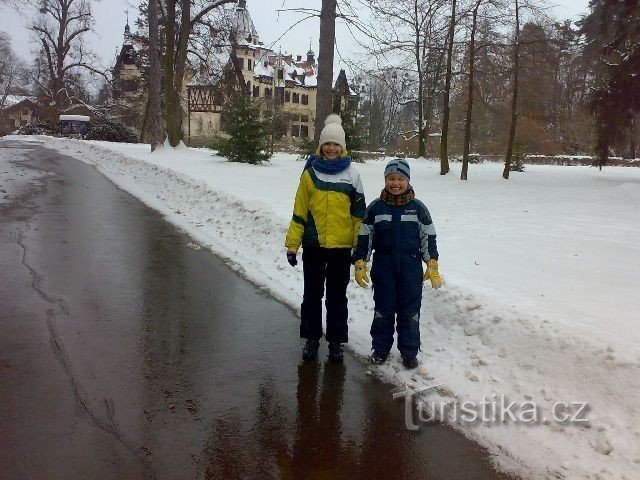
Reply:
x=397, y=200
x=327, y=166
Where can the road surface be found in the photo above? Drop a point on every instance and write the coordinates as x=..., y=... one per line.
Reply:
x=127, y=354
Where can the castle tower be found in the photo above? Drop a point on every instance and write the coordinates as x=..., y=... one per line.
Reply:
x=244, y=28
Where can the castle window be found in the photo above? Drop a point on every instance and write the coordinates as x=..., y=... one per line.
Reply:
x=256, y=91
x=241, y=63
x=304, y=118
x=267, y=92
x=296, y=98
x=304, y=131
x=248, y=64
x=287, y=96
x=305, y=99
x=295, y=130
x=280, y=74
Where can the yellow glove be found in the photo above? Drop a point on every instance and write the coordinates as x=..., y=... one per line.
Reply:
x=360, y=273
x=432, y=274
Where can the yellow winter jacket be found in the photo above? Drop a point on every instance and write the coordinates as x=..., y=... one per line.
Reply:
x=328, y=210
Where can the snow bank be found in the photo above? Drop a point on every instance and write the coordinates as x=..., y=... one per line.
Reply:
x=539, y=306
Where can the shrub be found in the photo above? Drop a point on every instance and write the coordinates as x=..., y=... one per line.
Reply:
x=518, y=158
x=39, y=128
x=103, y=128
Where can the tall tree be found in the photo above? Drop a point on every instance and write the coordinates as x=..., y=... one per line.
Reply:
x=612, y=33
x=325, y=64
x=59, y=28
x=444, y=156
x=12, y=70
x=470, y=88
x=514, y=94
x=179, y=26
x=405, y=38
x=154, y=108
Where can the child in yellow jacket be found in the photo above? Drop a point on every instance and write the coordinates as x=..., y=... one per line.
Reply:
x=329, y=207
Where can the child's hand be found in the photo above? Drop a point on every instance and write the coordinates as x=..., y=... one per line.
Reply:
x=291, y=258
x=432, y=274
x=360, y=273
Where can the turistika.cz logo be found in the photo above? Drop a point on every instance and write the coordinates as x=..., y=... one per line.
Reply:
x=492, y=409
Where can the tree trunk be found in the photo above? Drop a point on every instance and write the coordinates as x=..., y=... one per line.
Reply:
x=514, y=98
x=444, y=159
x=421, y=127
x=171, y=97
x=325, y=64
x=154, y=111
x=632, y=137
x=467, y=125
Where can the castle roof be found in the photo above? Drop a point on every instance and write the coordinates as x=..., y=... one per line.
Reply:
x=243, y=27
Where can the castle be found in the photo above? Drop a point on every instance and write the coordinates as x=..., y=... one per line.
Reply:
x=282, y=83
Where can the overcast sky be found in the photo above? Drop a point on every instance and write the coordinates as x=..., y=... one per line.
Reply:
x=110, y=20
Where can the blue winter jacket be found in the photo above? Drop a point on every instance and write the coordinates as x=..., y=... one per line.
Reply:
x=397, y=230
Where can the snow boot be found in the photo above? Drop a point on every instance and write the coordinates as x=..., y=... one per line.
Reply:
x=310, y=350
x=410, y=362
x=378, y=358
x=335, y=352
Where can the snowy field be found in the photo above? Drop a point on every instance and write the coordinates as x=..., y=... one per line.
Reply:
x=538, y=317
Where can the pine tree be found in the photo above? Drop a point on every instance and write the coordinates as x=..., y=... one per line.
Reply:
x=248, y=140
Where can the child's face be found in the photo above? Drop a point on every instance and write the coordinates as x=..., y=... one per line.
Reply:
x=331, y=151
x=396, y=184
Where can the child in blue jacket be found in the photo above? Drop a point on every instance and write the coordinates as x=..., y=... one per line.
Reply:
x=398, y=228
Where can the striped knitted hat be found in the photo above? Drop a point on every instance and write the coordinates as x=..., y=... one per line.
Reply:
x=399, y=166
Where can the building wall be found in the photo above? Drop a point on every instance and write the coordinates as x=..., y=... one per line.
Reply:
x=299, y=103
x=14, y=117
x=204, y=126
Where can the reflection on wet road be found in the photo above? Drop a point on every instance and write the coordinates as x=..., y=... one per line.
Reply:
x=125, y=354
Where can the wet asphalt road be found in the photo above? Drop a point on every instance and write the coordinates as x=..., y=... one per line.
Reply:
x=125, y=354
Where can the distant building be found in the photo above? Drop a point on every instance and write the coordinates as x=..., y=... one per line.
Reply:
x=284, y=84
x=18, y=110
x=128, y=90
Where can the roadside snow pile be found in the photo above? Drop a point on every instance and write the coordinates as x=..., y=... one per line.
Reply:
x=537, y=325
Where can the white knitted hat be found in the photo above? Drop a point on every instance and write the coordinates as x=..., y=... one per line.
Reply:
x=333, y=131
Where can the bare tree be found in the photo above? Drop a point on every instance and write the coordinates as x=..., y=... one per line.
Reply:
x=12, y=70
x=59, y=28
x=179, y=25
x=444, y=156
x=514, y=95
x=406, y=36
x=470, y=88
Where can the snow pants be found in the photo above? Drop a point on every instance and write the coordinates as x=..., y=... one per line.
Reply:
x=397, y=293
x=331, y=266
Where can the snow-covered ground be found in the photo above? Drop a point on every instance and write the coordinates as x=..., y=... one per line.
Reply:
x=539, y=308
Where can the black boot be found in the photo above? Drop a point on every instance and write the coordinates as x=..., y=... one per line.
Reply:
x=310, y=350
x=409, y=362
x=335, y=352
x=378, y=358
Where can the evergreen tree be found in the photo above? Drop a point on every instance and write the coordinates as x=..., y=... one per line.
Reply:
x=248, y=140
x=612, y=31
